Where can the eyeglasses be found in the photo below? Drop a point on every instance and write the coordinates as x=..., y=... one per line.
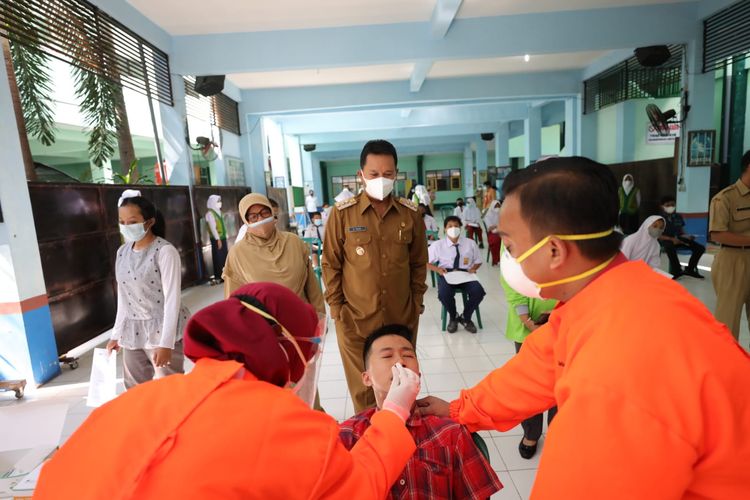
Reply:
x=255, y=217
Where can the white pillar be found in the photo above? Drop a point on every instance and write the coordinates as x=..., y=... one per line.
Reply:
x=27, y=338
x=481, y=147
x=572, y=126
x=532, y=127
x=253, y=152
x=176, y=152
x=468, y=171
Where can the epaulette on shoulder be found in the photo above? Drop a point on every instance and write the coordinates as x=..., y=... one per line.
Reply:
x=340, y=205
x=408, y=204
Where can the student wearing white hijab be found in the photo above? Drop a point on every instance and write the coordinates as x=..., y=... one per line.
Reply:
x=491, y=222
x=217, y=234
x=644, y=243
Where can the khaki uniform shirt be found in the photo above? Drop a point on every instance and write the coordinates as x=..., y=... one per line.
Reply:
x=730, y=210
x=374, y=269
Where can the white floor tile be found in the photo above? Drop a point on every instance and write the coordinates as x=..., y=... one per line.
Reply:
x=331, y=372
x=425, y=352
x=508, y=447
x=332, y=389
x=509, y=491
x=442, y=382
x=444, y=365
x=524, y=480
x=473, y=378
x=475, y=363
x=501, y=347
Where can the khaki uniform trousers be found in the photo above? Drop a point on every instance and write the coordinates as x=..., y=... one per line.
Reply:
x=730, y=275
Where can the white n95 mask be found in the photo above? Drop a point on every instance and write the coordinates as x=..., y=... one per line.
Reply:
x=453, y=232
x=378, y=188
x=133, y=232
x=515, y=277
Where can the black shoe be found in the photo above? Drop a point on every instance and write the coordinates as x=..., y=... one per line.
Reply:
x=677, y=276
x=693, y=273
x=481, y=246
x=469, y=325
x=452, y=326
x=527, y=452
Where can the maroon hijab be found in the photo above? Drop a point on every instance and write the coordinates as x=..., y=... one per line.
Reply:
x=229, y=330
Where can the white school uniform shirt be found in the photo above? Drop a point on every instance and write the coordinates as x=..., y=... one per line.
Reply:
x=442, y=253
x=311, y=203
x=313, y=231
x=430, y=223
x=459, y=212
x=472, y=216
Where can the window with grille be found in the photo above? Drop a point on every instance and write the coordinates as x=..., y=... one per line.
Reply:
x=218, y=110
x=338, y=183
x=80, y=34
x=444, y=180
x=629, y=80
x=726, y=35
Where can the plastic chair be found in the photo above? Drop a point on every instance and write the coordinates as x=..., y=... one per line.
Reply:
x=316, y=246
x=465, y=296
x=481, y=445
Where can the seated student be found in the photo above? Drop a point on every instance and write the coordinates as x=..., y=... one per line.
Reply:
x=456, y=253
x=472, y=219
x=459, y=210
x=644, y=243
x=315, y=230
x=447, y=463
x=430, y=223
x=674, y=237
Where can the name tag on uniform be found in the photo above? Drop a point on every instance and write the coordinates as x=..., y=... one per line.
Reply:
x=466, y=261
x=358, y=229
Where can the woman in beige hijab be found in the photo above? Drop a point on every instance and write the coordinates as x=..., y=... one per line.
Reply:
x=268, y=255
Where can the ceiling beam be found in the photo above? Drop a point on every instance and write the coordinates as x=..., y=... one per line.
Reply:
x=552, y=84
x=418, y=75
x=443, y=16
x=470, y=38
x=362, y=136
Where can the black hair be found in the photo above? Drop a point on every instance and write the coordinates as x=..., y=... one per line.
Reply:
x=148, y=211
x=377, y=147
x=487, y=183
x=383, y=331
x=452, y=218
x=745, y=161
x=313, y=214
x=459, y=199
x=427, y=210
x=569, y=195
x=667, y=199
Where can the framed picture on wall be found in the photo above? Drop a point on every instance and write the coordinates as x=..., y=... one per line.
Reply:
x=701, y=144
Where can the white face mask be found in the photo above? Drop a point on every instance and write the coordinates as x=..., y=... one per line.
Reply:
x=218, y=205
x=470, y=202
x=378, y=188
x=627, y=185
x=655, y=232
x=133, y=232
x=262, y=222
x=453, y=232
x=515, y=277
x=669, y=210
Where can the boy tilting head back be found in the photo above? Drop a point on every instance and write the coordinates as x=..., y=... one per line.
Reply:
x=447, y=463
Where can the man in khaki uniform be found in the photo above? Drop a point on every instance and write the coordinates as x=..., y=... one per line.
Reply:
x=730, y=226
x=374, y=264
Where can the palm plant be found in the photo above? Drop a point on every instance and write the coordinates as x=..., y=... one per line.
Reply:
x=31, y=69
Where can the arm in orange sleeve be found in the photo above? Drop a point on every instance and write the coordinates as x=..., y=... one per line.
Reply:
x=604, y=446
x=521, y=388
x=372, y=466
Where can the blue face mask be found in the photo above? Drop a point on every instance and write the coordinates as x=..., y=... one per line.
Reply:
x=318, y=222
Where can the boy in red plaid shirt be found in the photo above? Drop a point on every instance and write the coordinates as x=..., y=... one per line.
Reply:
x=447, y=463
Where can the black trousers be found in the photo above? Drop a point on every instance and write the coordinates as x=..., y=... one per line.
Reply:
x=671, y=250
x=629, y=223
x=219, y=257
x=446, y=295
x=532, y=426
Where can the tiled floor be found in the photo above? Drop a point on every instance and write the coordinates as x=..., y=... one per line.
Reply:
x=448, y=363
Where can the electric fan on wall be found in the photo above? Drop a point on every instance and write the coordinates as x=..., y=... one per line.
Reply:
x=207, y=147
x=660, y=120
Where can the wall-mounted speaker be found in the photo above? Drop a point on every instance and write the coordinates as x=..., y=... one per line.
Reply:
x=209, y=85
x=309, y=147
x=654, y=55
x=487, y=136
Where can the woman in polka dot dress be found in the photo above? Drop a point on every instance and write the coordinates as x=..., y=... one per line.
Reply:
x=150, y=317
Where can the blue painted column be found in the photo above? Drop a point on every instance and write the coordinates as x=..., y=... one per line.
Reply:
x=502, y=149
x=572, y=127
x=253, y=154
x=481, y=149
x=175, y=150
x=625, y=136
x=532, y=127
x=27, y=339
x=692, y=196
x=469, y=187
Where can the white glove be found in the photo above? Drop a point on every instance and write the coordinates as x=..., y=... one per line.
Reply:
x=403, y=392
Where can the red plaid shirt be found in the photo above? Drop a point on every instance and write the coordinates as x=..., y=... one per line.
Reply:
x=446, y=465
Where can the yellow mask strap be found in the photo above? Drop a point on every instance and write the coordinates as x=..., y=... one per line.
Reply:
x=578, y=276
x=568, y=237
x=284, y=331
